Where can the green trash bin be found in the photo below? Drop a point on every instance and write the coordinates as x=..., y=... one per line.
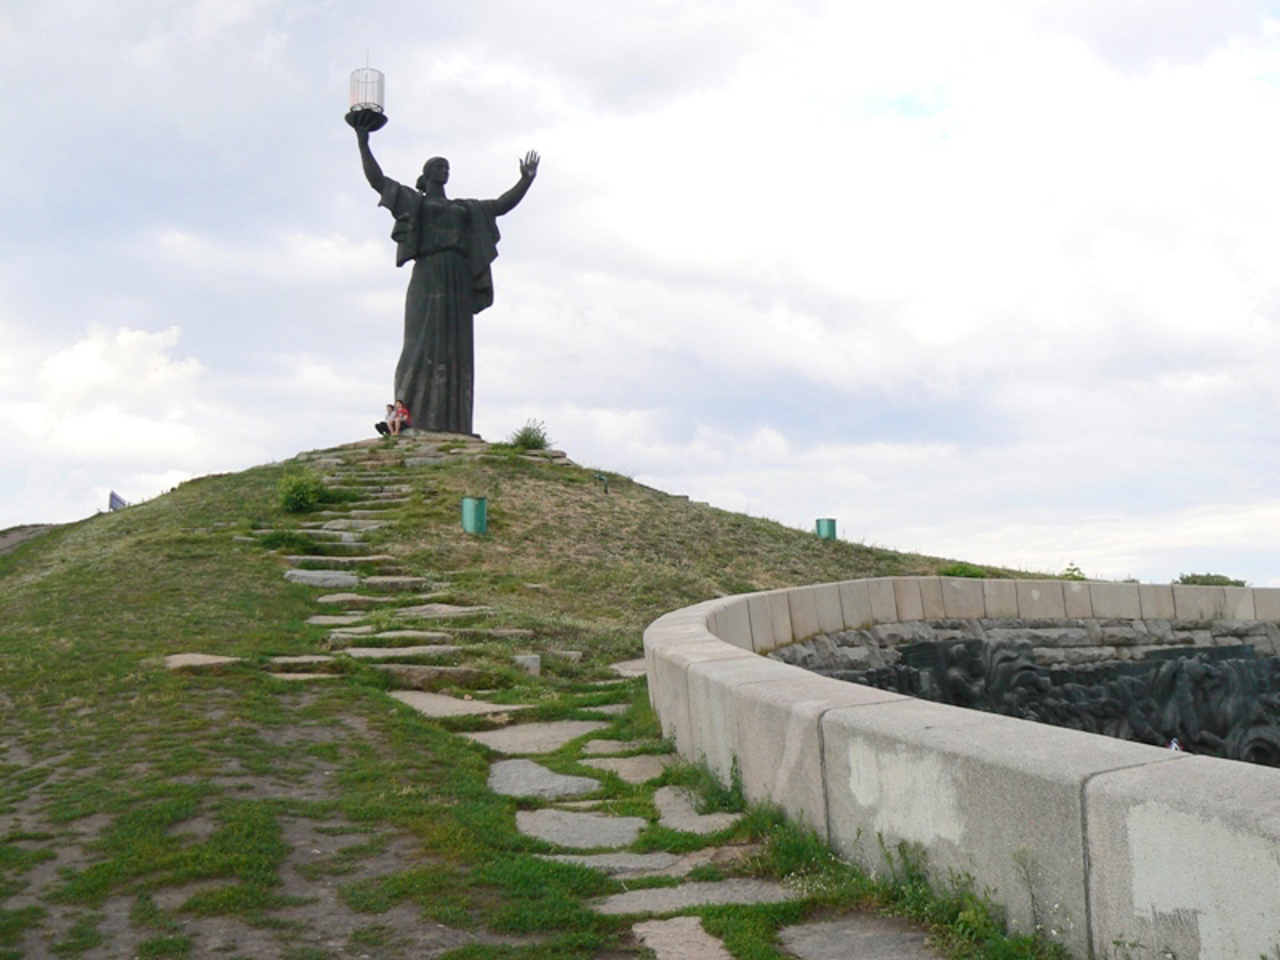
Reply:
x=475, y=515
x=826, y=528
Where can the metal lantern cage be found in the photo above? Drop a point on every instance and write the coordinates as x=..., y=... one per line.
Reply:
x=368, y=90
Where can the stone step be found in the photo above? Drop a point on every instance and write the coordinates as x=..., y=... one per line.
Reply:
x=374, y=559
x=396, y=653
x=579, y=831
x=440, y=611
x=634, y=770
x=739, y=890
x=676, y=812
x=420, y=676
x=348, y=524
x=525, y=778
x=683, y=938
x=368, y=492
x=335, y=620
x=360, y=507
x=440, y=705
x=530, y=738
x=323, y=578
x=395, y=583
x=336, y=637
x=333, y=536
x=355, y=599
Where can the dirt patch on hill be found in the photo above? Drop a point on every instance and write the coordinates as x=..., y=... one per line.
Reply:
x=15, y=537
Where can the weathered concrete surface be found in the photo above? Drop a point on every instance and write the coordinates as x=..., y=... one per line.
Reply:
x=676, y=812
x=322, y=578
x=680, y=938
x=1185, y=856
x=636, y=770
x=668, y=899
x=622, y=864
x=580, y=831
x=863, y=937
x=392, y=653
x=525, y=778
x=422, y=676
x=198, y=661
x=440, y=705
x=991, y=796
x=628, y=668
x=438, y=611
x=529, y=738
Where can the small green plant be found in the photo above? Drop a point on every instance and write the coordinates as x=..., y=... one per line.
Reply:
x=962, y=569
x=300, y=492
x=1072, y=572
x=1208, y=580
x=532, y=436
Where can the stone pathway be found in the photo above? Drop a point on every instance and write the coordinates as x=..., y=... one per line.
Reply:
x=566, y=817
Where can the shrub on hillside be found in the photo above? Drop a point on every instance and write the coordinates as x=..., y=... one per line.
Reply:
x=1209, y=580
x=532, y=436
x=300, y=492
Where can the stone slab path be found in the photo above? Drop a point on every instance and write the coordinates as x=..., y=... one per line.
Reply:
x=861, y=937
x=635, y=770
x=440, y=705
x=680, y=938
x=528, y=738
x=676, y=812
x=525, y=778
x=579, y=831
x=697, y=894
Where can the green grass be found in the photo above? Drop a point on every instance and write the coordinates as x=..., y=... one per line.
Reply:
x=179, y=800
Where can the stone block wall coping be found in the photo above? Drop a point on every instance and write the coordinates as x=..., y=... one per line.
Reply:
x=1091, y=839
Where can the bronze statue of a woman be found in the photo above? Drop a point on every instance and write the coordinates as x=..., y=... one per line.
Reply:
x=452, y=244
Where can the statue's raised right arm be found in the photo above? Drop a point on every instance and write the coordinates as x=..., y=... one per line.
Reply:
x=372, y=172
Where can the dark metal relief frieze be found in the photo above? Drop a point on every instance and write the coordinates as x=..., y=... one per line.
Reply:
x=1222, y=702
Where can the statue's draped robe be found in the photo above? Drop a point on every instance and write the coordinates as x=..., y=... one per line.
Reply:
x=452, y=244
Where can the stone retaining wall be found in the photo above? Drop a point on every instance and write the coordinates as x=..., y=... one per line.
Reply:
x=1095, y=840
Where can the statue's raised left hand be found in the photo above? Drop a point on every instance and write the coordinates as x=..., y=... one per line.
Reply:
x=529, y=165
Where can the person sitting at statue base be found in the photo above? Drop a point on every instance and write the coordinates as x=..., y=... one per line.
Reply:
x=399, y=419
x=383, y=426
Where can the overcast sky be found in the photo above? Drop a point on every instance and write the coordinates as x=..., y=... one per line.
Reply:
x=996, y=280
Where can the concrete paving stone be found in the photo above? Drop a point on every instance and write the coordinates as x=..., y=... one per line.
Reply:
x=335, y=620
x=863, y=937
x=440, y=705
x=300, y=660
x=337, y=635
x=432, y=635
x=421, y=676
x=434, y=611
x=581, y=831
x=595, y=747
x=322, y=578
x=634, y=770
x=625, y=865
x=669, y=899
x=394, y=583
x=347, y=523
x=390, y=653
x=680, y=938
x=676, y=812
x=611, y=709
x=339, y=562
x=525, y=778
x=306, y=676
x=197, y=661
x=527, y=738
x=629, y=668
x=355, y=599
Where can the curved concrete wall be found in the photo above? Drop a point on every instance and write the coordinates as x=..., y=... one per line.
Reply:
x=1092, y=839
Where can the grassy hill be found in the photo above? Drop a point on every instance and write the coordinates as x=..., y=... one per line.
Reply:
x=148, y=812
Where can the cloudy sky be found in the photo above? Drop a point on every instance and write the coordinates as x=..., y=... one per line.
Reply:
x=995, y=280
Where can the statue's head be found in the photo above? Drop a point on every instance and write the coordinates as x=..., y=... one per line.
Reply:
x=435, y=170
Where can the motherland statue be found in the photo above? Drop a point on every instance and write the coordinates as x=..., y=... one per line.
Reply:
x=452, y=244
